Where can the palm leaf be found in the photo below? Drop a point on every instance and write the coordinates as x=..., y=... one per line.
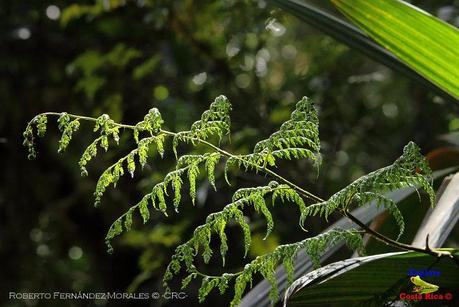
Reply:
x=440, y=220
x=371, y=280
x=422, y=41
x=350, y=35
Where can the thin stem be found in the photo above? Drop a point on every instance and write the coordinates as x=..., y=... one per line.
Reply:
x=215, y=276
x=92, y=119
x=389, y=241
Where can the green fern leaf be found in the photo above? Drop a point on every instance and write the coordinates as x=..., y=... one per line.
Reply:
x=115, y=229
x=211, y=163
x=29, y=140
x=143, y=208
x=89, y=153
x=193, y=172
x=409, y=170
x=128, y=219
x=219, y=227
x=151, y=124
x=389, y=204
x=207, y=285
x=240, y=285
x=314, y=247
x=186, y=281
x=297, y=138
x=158, y=193
x=67, y=128
x=214, y=121
x=41, y=121
x=131, y=164
x=239, y=217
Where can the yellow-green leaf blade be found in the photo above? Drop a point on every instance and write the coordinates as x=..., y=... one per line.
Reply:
x=425, y=43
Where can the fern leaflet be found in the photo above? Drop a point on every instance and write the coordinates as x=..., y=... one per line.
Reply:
x=409, y=170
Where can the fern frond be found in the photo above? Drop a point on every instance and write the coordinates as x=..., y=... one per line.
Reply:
x=143, y=208
x=285, y=254
x=112, y=174
x=211, y=163
x=297, y=138
x=29, y=142
x=291, y=196
x=214, y=121
x=389, y=204
x=107, y=128
x=265, y=264
x=151, y=123
x=89, y=153
x=109, y=176
x=409, y=170
x=157, y=194
x=40, y=122
x=193, y=173
x=174, y=178
x=216, y=222
x=115, y=229
x=68, y=127
x=187, y=165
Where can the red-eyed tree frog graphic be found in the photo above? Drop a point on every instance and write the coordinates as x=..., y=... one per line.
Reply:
x=422, y=286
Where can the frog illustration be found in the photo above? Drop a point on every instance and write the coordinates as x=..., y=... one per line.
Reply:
x=422, y=286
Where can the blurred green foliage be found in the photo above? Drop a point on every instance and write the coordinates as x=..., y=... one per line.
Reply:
x=124, y=57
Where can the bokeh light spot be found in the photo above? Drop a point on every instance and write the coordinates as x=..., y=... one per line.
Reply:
x=161, y=92
x=53, y=12
x=75, y=252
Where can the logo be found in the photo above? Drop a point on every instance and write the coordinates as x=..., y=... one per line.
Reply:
x=423, y=273
x=421, y=286
x=423, y=290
